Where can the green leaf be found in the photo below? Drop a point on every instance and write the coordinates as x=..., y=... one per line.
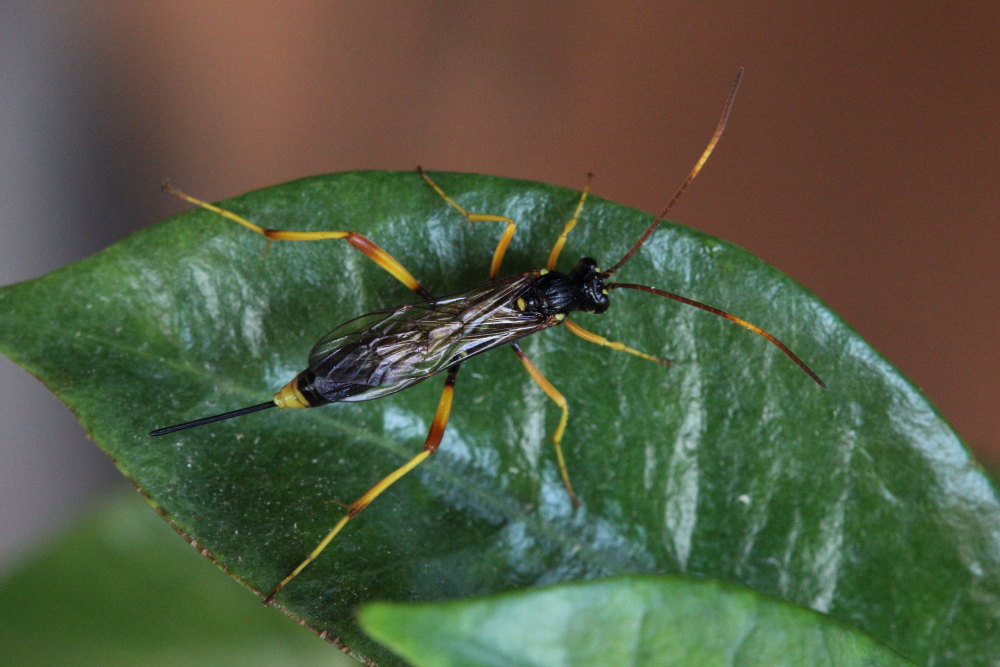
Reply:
x=858, y=501
x=121, y=589
x=635, y=620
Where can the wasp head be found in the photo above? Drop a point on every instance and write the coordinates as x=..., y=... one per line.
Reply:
x=593, y=296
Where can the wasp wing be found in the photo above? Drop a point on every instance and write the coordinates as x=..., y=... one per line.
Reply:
x=389, y=350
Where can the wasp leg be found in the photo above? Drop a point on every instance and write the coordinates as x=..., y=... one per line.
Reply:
x=430, y=446
x=366, y=246
x=576, y=329
x=570, y=224
x=559, y=400
x=508, y=232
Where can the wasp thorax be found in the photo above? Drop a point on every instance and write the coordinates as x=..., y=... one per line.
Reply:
x=554, y=293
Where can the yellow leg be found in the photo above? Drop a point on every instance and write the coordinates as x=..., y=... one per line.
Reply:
x=559, y=400
x=430, y=446
x=366, y=246
x=570, y=224
x=614, y=345
x=508, y=232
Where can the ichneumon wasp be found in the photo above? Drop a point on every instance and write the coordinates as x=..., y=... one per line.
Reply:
x=386, y=351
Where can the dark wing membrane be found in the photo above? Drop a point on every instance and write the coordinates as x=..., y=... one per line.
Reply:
x=401, y=346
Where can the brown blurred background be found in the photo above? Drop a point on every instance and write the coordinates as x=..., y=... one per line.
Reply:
x=862, y=156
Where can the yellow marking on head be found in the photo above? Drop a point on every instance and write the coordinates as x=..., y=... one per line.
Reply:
x=604, y=291
x=597, y=269
x=560, y=317
x=542, y=272
x=521, y=304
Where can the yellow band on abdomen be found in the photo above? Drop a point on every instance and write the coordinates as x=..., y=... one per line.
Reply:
x=290, y=397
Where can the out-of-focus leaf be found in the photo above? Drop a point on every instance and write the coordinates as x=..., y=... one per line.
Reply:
x=634, y=620
x=120, y=589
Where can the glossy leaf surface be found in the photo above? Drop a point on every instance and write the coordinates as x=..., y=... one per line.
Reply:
x=622, y=621
x=857, y=500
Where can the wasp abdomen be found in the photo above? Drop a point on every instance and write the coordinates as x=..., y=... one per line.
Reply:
x=304, y=392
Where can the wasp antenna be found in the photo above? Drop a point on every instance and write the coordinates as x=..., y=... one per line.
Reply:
x=687, y=181
x=213, y=418
x=732, y=318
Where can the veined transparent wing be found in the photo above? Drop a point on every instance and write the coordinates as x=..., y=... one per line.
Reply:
x=401, y=346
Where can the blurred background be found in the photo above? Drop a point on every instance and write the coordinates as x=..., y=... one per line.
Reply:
x=862, y=158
